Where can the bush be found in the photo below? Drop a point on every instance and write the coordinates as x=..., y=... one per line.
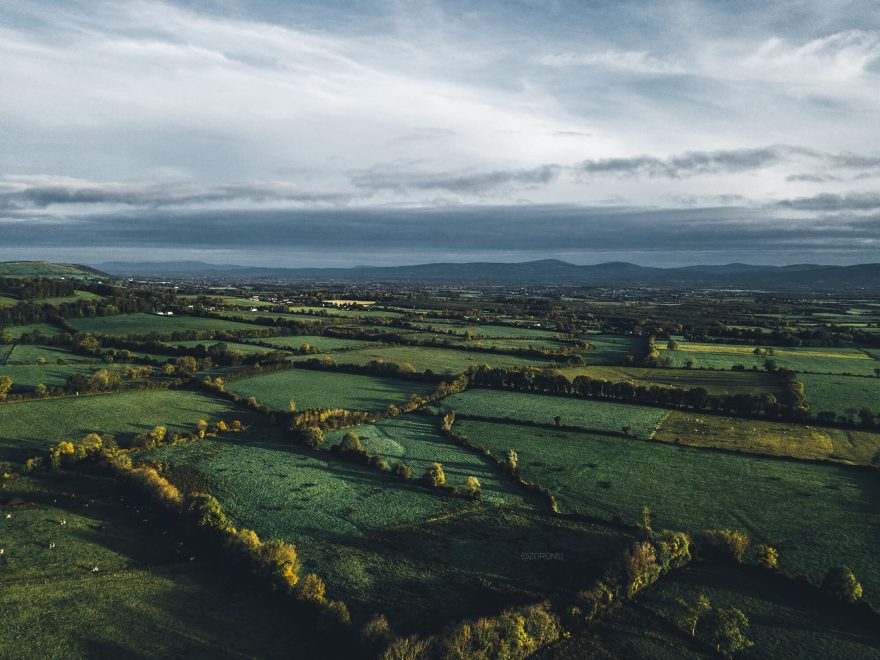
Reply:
x=206, y=511
x=767, y=556
x=472, y=486
x=313, y=437
x=841, y=584
x=726, y=630
x=376, y=632
x=311, y=588
x=434, y=475
x=640, y=568
x=673, y=549
x=725, y=543
x=403, y=470
x=351, y=443
x=280, y=564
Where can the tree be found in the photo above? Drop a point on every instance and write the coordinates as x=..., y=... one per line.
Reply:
x=403, y=470
x=731, y=544
x=694, y=612
x=312, y=588
x=351, y=444
x=767, y=556
x=168, y=369
x=672, y=345
x=186, y=364
x=5, y=386
x=841, y=584
x=41, y=360
x=472, y=486
x=434, y=475
x=512, y=459
x=690, y=363
x=157, y=435
x=313, y=437
x=726, y=630
x=40, y=389
x=557, y=420
x=291, y=406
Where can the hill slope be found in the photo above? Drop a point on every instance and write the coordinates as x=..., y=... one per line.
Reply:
x=48, y=269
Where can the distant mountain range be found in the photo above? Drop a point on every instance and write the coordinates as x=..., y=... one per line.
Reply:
x=805, y=277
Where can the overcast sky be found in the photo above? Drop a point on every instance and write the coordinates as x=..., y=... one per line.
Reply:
x=334, y=133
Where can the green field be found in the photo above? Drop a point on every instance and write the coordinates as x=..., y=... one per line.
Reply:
x=28, y=376
x=416, y=441
x=16, y=331
x=75, y=297
x=693, y=489
x=588, y=414
x=809, y=359
x=438, y=360
x=721, y=384
x=326, y=389
x=31, y=427
x=231, y=346
x=345, y=313
x=47, y=269
x=386, y=545
x=842, y=395
x=8, y=300
x=614, y=349
x=782, y=625
x=771, y=438
x=147, y=598
x=28, y=354
x=144, y=324
x=323, y=344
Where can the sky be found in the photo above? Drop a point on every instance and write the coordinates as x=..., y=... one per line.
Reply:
x=334, y=133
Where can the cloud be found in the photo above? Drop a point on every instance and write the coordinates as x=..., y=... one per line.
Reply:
x=830, y=202
x=473, y=183
x=40, y=192
x=639, y=62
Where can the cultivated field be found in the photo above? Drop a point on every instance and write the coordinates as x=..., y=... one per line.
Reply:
x=843, y=395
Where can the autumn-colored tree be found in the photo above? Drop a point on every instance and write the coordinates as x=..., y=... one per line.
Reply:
x=841, y=584
x=351, y=443
x=5, y=386
x=434, y=475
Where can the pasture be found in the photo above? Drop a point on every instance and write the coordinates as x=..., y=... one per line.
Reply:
x=28, y=428
x=771, y=438
x=383, y=544
x=599, y=416
x=614, y=349
x=721, y=384
x=438, y=360
x=30, y=353
x=145, y=594
x=843, y=395
x=16, y=331
x=145, y=324
x=231, y=346
x=322, y=343
x=782, y=625
x=808, y=359
x=693, y=489
x=416, y=441
x=326, y=389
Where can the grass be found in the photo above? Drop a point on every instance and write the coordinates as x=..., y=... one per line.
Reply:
x=29, y=428
x=16, y=331
x=144, y=324
x=614, y=349
x=28, y=376
x=438, y=360
x=771, y=438
x=816, y=360
x=385, y=545
x=231, y=346
x=416, y=441
x=594, y=415
x=29, y=353
x=733, y=382
x=494, y=343
x=147, y=598
x=326, y=389
x=323, y=344
x=75, y=297
x=781, y=624
x=842, y=395
x=47, y=269
x=6, y=301
x=347, y=313
x=837, y=520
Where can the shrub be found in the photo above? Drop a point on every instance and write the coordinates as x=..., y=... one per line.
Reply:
x=311, y=588
x=156, y=487
x=403, y=470
x=313, y=437
x=206, y=511
x=726, y=630
x=726, y=543
x=640, y=568
x=472, y=487
x=333, y=614
x=673, y=549
x=279, y=562
x=376, y=632
x=351, y=443
x=512, y=459
x=767, y=556
x=841, y=584
x=406, y=648
x=434, y=475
